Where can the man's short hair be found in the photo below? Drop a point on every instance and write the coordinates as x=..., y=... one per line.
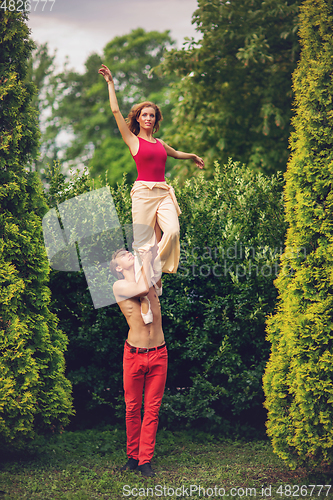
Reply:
x=114, y=264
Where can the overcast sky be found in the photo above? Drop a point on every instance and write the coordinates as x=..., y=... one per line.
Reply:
x=77, y=28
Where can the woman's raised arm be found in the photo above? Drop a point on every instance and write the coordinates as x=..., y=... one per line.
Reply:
x=129, y=138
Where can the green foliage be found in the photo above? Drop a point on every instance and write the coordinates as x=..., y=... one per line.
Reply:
x=80, y=103
x=213, y=309
x=298, y=378
x=234, y=95
x=34, y=393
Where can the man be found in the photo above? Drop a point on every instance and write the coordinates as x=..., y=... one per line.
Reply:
x=145, y=358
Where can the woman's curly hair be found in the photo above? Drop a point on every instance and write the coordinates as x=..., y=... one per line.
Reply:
x=134, y=114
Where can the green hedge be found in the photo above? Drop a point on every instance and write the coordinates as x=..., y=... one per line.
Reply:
x=35, y=396
x=298, y=379
x=213, y=309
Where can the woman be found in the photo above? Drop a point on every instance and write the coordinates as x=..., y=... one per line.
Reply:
x=154, y=205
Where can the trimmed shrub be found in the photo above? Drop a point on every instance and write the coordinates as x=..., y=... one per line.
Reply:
x=213, y=309
x=298, y=380
x=34, y=393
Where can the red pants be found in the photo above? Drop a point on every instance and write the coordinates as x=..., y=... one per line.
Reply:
x=146, y=371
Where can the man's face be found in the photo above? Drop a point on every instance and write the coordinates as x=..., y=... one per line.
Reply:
x=125, y=260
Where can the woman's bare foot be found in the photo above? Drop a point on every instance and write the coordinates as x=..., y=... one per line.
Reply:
x=146, y=312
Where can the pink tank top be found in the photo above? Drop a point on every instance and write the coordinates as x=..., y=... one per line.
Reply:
x=150, y=161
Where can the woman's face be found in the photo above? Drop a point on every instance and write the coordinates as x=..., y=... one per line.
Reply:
x=147, y=118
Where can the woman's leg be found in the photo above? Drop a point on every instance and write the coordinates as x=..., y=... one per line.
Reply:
x=158, y=235
x=144, y=221
x=158, y=232
x=168, y=247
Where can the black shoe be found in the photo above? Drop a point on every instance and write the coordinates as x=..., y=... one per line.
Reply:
x=146, y=470
x=130, y=465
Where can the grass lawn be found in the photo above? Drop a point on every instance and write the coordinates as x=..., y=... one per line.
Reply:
x=84, y=465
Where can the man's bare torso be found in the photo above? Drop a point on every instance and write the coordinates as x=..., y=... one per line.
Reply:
x=141, y=335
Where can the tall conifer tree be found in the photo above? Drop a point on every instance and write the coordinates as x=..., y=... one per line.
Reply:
x=34, y=393
x=298, y=381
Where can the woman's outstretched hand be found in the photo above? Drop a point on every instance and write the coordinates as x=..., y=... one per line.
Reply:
x=104, y=70
x=198, y=161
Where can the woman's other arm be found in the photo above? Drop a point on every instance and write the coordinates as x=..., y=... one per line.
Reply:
x=179, y=155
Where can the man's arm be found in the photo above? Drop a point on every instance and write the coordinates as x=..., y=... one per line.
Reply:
x=130, y=289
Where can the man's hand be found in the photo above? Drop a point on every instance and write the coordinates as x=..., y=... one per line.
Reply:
x=146, y=256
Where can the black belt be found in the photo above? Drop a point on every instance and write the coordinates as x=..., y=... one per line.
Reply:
x=144, y=349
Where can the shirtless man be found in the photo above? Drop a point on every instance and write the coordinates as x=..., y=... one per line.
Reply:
x=145, y=359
